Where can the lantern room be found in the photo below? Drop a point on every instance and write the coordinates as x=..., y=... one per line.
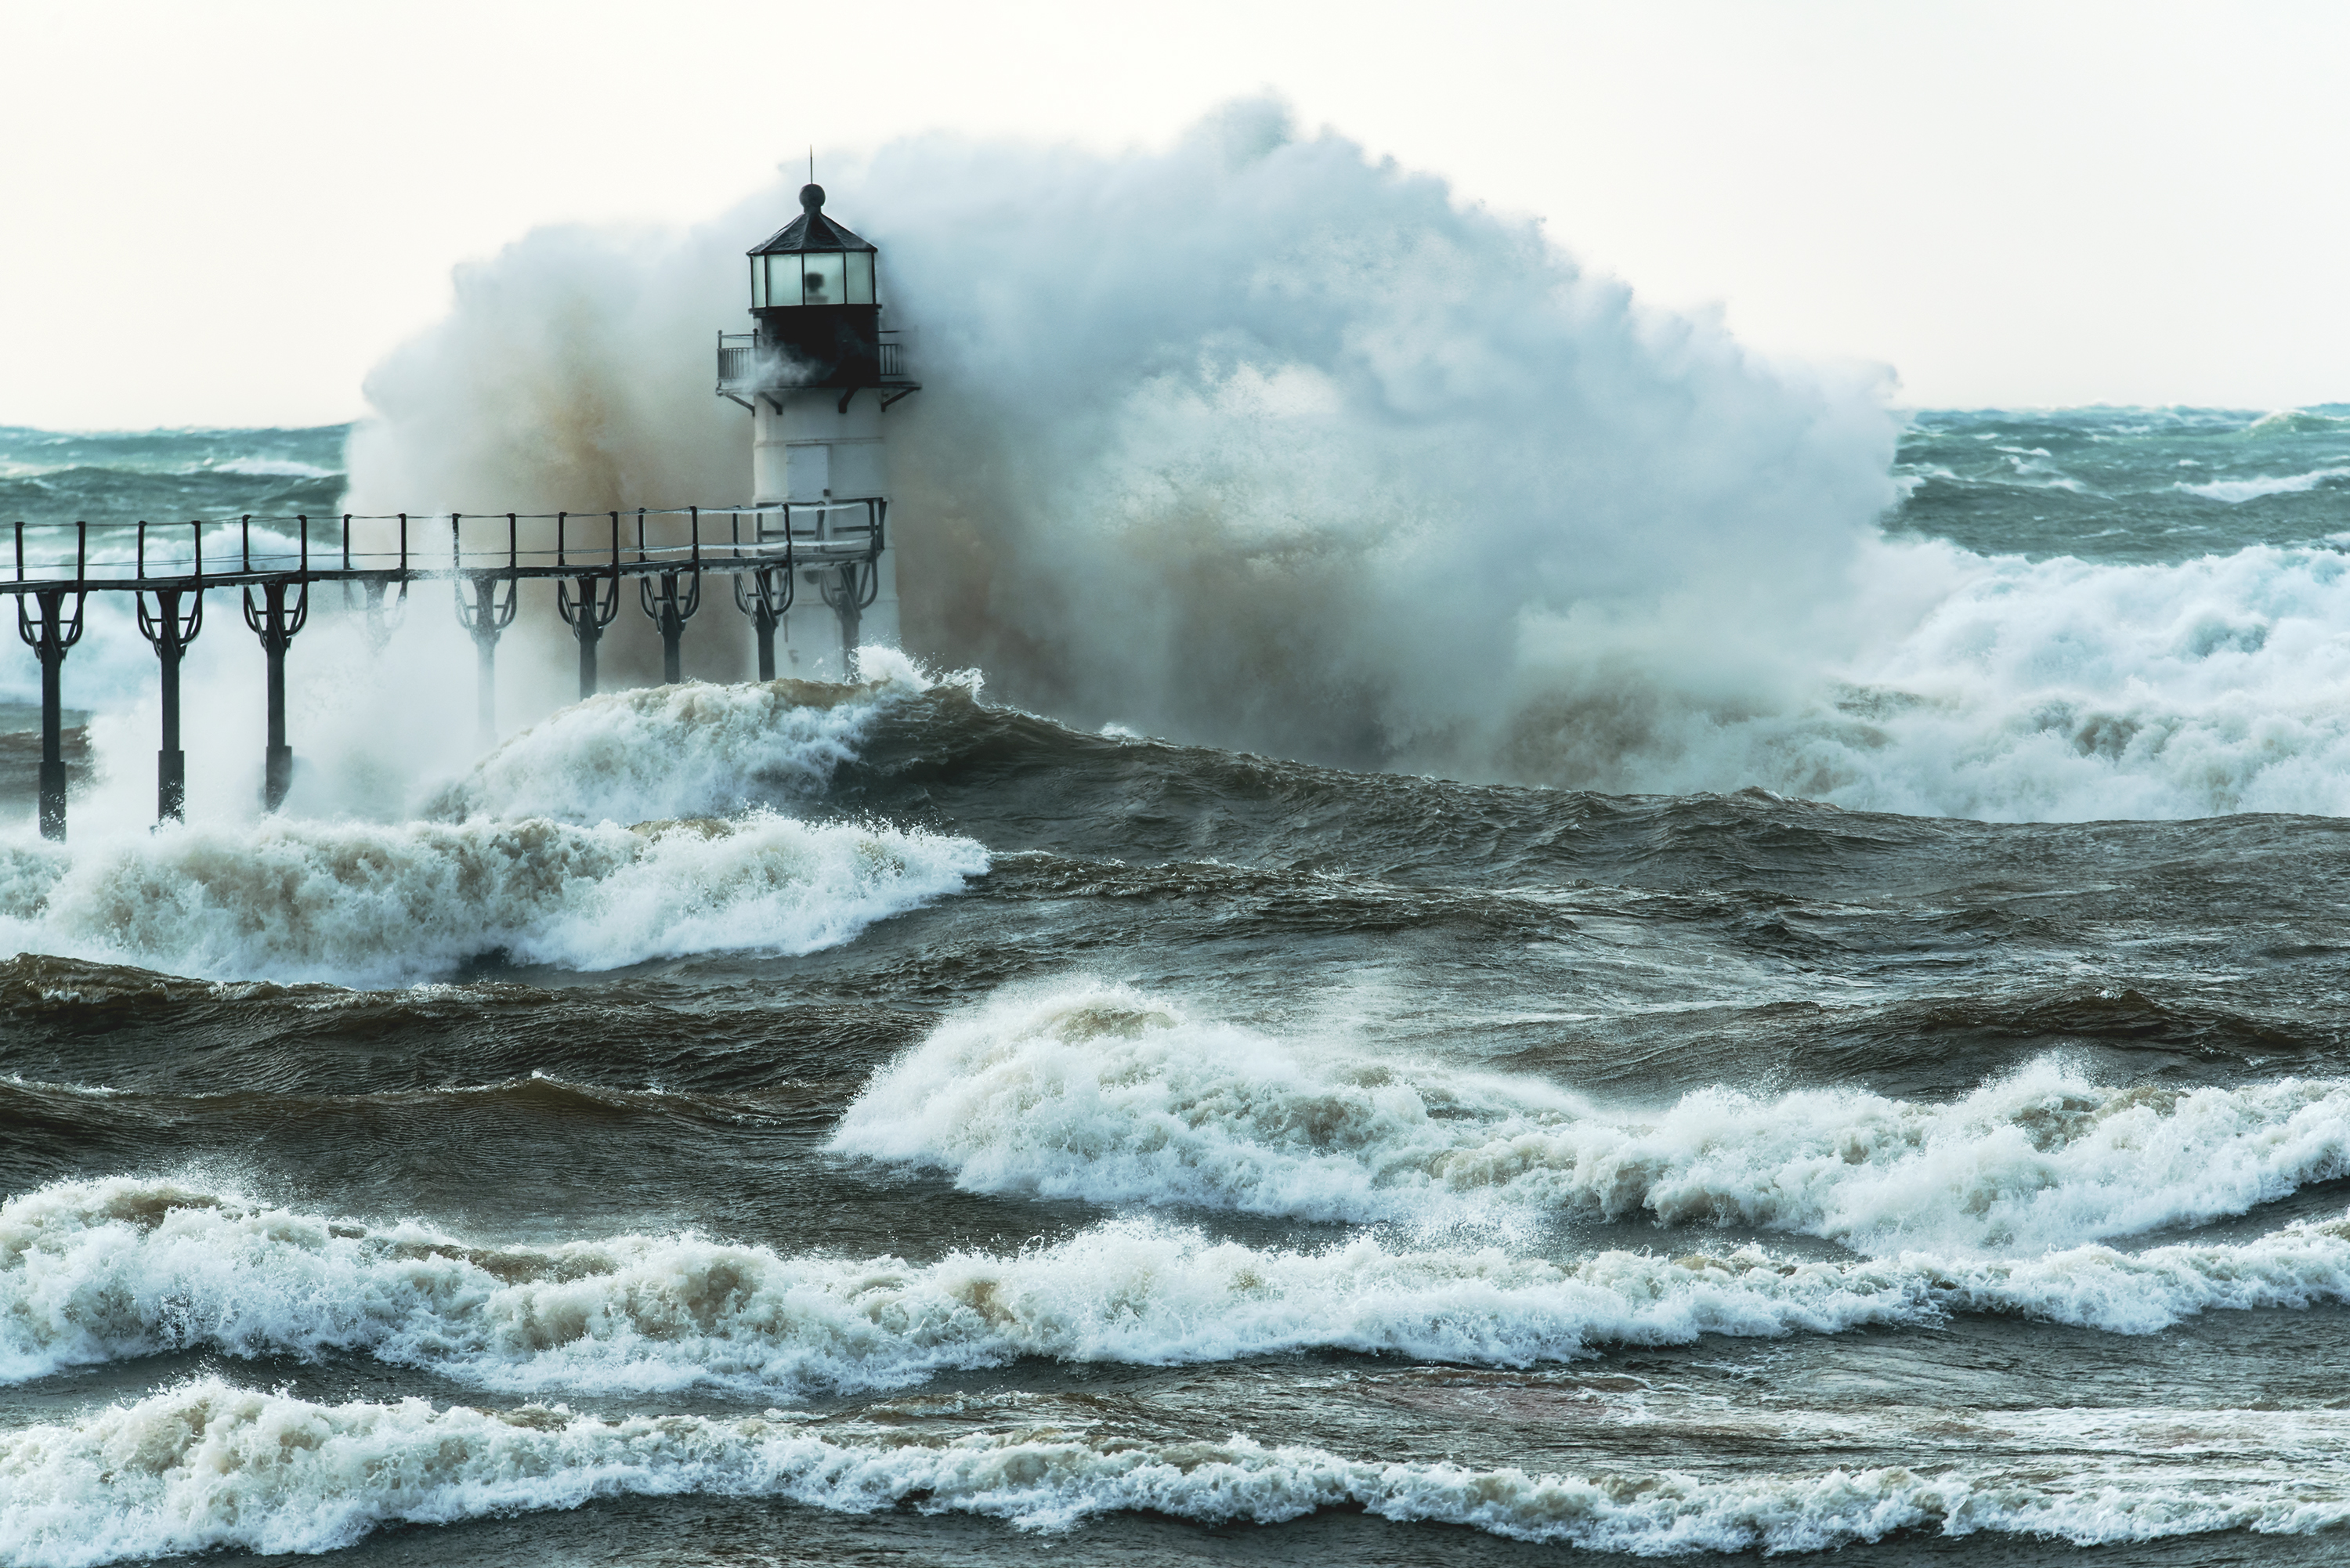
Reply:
x=812, y=294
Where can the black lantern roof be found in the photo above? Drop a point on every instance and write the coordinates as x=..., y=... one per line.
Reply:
x=811, y=231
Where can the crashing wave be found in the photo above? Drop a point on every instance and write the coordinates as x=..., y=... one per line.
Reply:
x=111, y=1271
x=207, y=1466
x=1100, y=1093
x=691, y=750
x=360, y=903
x=2237, y=490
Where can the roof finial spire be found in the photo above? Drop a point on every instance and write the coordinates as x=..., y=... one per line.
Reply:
x=811, y=162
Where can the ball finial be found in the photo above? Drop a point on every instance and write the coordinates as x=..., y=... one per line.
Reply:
x=811, y=198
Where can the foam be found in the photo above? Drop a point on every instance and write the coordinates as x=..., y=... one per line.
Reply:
x=361, y=903
x=2235, y=492
x=2295, y=421
x=2067, y=691
x=1102, y=1093
x=207, y=1466
x=269, y=468
x=680, y=751
x=117, y=1268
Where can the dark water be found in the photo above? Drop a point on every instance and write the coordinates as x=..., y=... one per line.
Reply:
x=1170, y=1155
x=168, y=476
x=2126, y=484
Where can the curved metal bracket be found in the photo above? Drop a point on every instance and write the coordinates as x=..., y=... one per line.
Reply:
x=489, y=614
x=168, y=625
x=379, y=625
x=50, y=636
x=277, y=631
x=598, y=603
x=855, y=586
x=770, y=589
x=669, y=601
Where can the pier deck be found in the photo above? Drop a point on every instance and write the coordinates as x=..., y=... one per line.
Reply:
x=764, y=551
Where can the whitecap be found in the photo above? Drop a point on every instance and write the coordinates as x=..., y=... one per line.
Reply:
x=269, y=468
x=684, y=750
x=2235, y=492
x=1104, y=1093
x=207, y=1466
x=115, y=1270
x=363, y=903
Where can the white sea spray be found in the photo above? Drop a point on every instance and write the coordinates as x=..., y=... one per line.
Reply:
x=1323, y=463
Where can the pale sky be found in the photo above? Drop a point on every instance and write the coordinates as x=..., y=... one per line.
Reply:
x=224, y=213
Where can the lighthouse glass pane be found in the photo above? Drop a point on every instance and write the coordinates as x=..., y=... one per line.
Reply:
x=861, y=277
x=758, y=283
x=824, y=281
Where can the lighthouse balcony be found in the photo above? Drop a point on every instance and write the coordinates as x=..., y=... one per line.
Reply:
x=750, y=364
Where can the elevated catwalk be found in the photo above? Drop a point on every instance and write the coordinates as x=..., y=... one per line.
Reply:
x=768, y=552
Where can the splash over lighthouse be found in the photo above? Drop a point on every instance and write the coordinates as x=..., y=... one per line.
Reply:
x=819, y=372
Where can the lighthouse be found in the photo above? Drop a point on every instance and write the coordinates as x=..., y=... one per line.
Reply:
x=819, y=372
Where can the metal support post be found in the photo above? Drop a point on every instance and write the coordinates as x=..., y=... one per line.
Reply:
x=769, y=598
x=593, y=611
x=276, y=626
x=484, y=618
x=380, y=622
x=588, y=616
x=850, y=592
x=48, y=638
x=168, y=631
x=764, y=594
x=669, y=607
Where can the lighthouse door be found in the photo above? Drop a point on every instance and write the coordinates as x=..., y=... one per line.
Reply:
x=808, y=471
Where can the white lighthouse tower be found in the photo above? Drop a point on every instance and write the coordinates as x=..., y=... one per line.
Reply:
x=817, y=372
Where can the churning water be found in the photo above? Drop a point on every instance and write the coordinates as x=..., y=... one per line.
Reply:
x=1698, y=968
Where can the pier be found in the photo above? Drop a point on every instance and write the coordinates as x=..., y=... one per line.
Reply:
x=767, y=551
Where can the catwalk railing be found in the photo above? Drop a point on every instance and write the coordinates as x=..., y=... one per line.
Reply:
x=835, y=545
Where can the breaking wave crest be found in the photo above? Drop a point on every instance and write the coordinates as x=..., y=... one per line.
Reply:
x=1103, y=1093
x=205, y=1466
x=679, y=750
x=2065, y=691
x=362, y=903
x=109, y=1271
x=2237, y=490
x=1327, y=464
